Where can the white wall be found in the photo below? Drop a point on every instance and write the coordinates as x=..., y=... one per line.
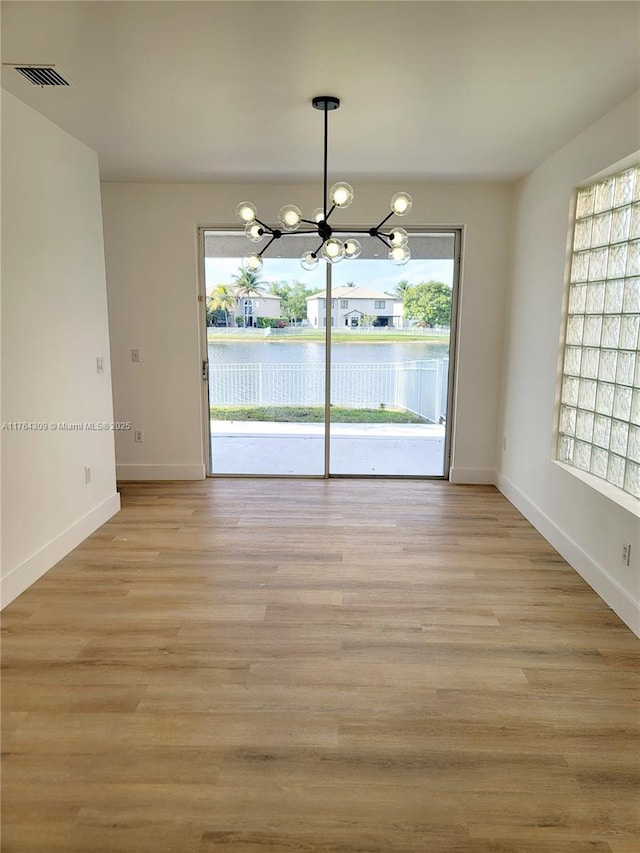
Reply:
x=584, y=525
x=54, y=325
x=152, y=273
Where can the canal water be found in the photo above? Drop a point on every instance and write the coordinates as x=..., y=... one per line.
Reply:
x=312, y=352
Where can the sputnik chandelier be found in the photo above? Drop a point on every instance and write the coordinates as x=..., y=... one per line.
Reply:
x=331, y=248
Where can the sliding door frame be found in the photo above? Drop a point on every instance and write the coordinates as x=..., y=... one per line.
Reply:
x=453, y=349
x=207, y=452
x=328, y=323
x=458, y=232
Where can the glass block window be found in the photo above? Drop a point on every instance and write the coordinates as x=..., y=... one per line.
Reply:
x=599, y=422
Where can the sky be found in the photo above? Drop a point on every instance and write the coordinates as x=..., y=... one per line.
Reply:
x=380, y=276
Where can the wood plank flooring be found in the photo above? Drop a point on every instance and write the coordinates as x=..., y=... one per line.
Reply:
x=235, y=666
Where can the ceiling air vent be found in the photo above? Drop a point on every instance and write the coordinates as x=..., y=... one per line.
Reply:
x=42, y=75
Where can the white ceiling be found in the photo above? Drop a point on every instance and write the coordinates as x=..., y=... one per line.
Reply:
x=221, y=91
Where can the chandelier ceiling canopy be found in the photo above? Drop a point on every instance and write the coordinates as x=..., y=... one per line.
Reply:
x=331, y=248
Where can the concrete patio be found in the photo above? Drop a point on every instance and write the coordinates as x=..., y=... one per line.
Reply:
x=246, y=447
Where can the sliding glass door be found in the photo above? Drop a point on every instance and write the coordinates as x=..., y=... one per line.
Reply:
x=373, y=402
x=390, y=361
x=266, y=367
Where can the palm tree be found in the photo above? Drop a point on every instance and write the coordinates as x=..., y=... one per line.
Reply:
x=222, y=299
x=247, y=284
x=400, y=290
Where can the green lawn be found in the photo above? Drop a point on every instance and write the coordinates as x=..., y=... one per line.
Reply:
x=312, y=414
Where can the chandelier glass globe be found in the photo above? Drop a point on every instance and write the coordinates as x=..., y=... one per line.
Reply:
x=309, y=261
x=341, y=194
x=352, y=248
x=252, y=262
x=246, y=212
x=254, y=231
x=333, y=250
x=290, y=217
x=399, y=255
x=401, y=204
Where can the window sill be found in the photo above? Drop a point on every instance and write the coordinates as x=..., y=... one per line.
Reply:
x=623, y=499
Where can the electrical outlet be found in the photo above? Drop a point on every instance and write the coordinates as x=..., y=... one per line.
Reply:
x=87, y=474
x=504, y=443
x=135, y=355
x=138, y=435
x=626, y=553
x=100, y=364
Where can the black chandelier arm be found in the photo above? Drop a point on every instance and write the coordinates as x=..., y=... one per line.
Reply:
x=333, y=207
x=354, y=231
x=382, y=240
x=279, y=234
x=273, y=237
x=386, y=219
x=314, y=254
x=267, y=228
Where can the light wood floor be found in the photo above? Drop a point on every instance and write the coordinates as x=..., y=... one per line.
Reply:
x=236, y=666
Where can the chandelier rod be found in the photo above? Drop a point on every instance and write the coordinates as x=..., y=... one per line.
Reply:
x=326, y=157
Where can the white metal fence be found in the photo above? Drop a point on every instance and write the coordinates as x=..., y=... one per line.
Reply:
x=415, y=386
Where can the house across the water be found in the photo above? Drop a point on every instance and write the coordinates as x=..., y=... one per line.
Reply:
x=353, y=307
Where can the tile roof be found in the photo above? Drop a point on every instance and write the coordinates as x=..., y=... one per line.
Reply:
x=351, y=293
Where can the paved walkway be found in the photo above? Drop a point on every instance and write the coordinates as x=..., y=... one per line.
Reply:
x=245, y=447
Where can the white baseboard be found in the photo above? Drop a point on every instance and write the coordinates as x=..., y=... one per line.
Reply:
x=160, y=472
x=28, y=572
x=606, y=587
x=477, y=476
